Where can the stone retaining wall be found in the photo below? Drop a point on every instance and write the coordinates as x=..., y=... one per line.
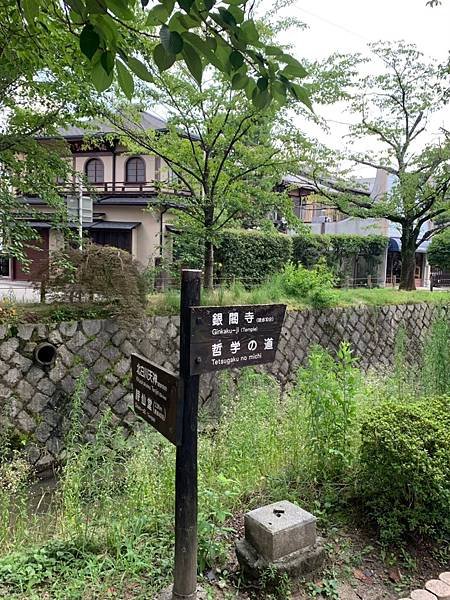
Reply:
x=36, y=401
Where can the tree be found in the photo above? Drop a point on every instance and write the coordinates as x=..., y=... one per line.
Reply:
x=197, y=32
x=392, y=111
x=38, y=93
x=439, y=251
x=222, y=151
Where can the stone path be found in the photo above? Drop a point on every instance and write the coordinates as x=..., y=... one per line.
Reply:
x=435, y=589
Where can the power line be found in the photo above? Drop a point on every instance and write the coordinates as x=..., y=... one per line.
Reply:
x=333, y=24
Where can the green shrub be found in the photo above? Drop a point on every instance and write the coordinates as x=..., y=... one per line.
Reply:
x=307, y=250
x=312, y=285
x=405, y=467
x=439, y=251
x=252, y=256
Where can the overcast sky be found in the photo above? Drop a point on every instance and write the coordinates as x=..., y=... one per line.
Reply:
x=349, y=25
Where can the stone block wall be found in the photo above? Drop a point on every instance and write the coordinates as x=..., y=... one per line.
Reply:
x=37, y=401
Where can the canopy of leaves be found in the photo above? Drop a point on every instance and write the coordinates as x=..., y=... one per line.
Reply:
x=225, y=155
x=38, y=93
x=391, y=111
x=439, y=251
x=196, y=32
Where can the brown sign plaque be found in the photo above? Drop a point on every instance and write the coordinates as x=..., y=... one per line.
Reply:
x=156, y=397
x=226, y=337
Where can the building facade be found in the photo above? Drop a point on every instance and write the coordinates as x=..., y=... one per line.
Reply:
x=118, y=190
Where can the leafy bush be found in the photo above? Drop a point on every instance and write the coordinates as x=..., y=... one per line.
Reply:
x=252, y=256
x=405, y=467
x=313, y=285
x=105, y=274
x=307, y=250
x=439, y=251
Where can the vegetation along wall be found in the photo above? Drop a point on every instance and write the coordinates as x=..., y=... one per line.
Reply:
x=37, y=400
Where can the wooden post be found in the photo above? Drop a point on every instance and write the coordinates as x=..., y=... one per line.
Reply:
x=369, y=281
x=431, y=283
x=185, y=575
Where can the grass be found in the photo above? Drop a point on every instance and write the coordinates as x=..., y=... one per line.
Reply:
x=168, y=303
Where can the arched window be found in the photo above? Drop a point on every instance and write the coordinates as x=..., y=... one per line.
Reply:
x=135, y=170
x=95, y=171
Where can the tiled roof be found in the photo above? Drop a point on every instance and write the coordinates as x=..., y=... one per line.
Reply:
x=96, y=127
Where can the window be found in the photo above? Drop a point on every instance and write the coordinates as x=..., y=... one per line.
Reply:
x=5, y=266
x=135, y=170
x=95, y=171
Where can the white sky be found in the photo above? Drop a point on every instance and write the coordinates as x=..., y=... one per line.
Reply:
x=348, y=25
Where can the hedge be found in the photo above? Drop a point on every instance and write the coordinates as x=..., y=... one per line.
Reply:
x=251, y=256
x=338, y=248
x=405, y=467
x=439, y=251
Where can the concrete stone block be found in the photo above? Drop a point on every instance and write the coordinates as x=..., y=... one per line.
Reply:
x=279, y=529
x=445, y=577
x=439, y=588
x=68, y=329
x=297, y=564
x=25, y=331
x=8, y=348
x=91, y=326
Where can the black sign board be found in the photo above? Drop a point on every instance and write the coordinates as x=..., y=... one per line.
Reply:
x=156, y=397
x=225, y=337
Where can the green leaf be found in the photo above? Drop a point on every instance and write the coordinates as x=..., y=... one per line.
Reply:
x=209, y=4
x=171, y=40
x=31, y=10
x=139, y=69
x=125, y=79
x=163, y=59
x=237, y=13
x=120, y=9
x=89, y=41
x=294, y=64
x=76, y=5
x=249, y=32
x=96, y=7
x=107, y=61
x=227, y=17
x=236, y=59
x=292, y=71
x=263, y=83
x=201, y=46
x=273, y=50
x=100, y=78
x=239, y=81
x=279, y=92
x=158, y=15
x=186, y=5
x=193, y=62
x=301, y=94
x=261, y=98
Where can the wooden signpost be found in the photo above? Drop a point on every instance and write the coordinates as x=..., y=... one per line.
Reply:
x=211, y=339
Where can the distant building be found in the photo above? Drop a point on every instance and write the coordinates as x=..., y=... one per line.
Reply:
x=323, y=219
x=119, y=189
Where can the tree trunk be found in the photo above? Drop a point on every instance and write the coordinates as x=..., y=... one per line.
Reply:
x=408, y=256
x=208, y=273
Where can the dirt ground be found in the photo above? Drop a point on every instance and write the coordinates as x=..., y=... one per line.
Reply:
x=356, y=568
